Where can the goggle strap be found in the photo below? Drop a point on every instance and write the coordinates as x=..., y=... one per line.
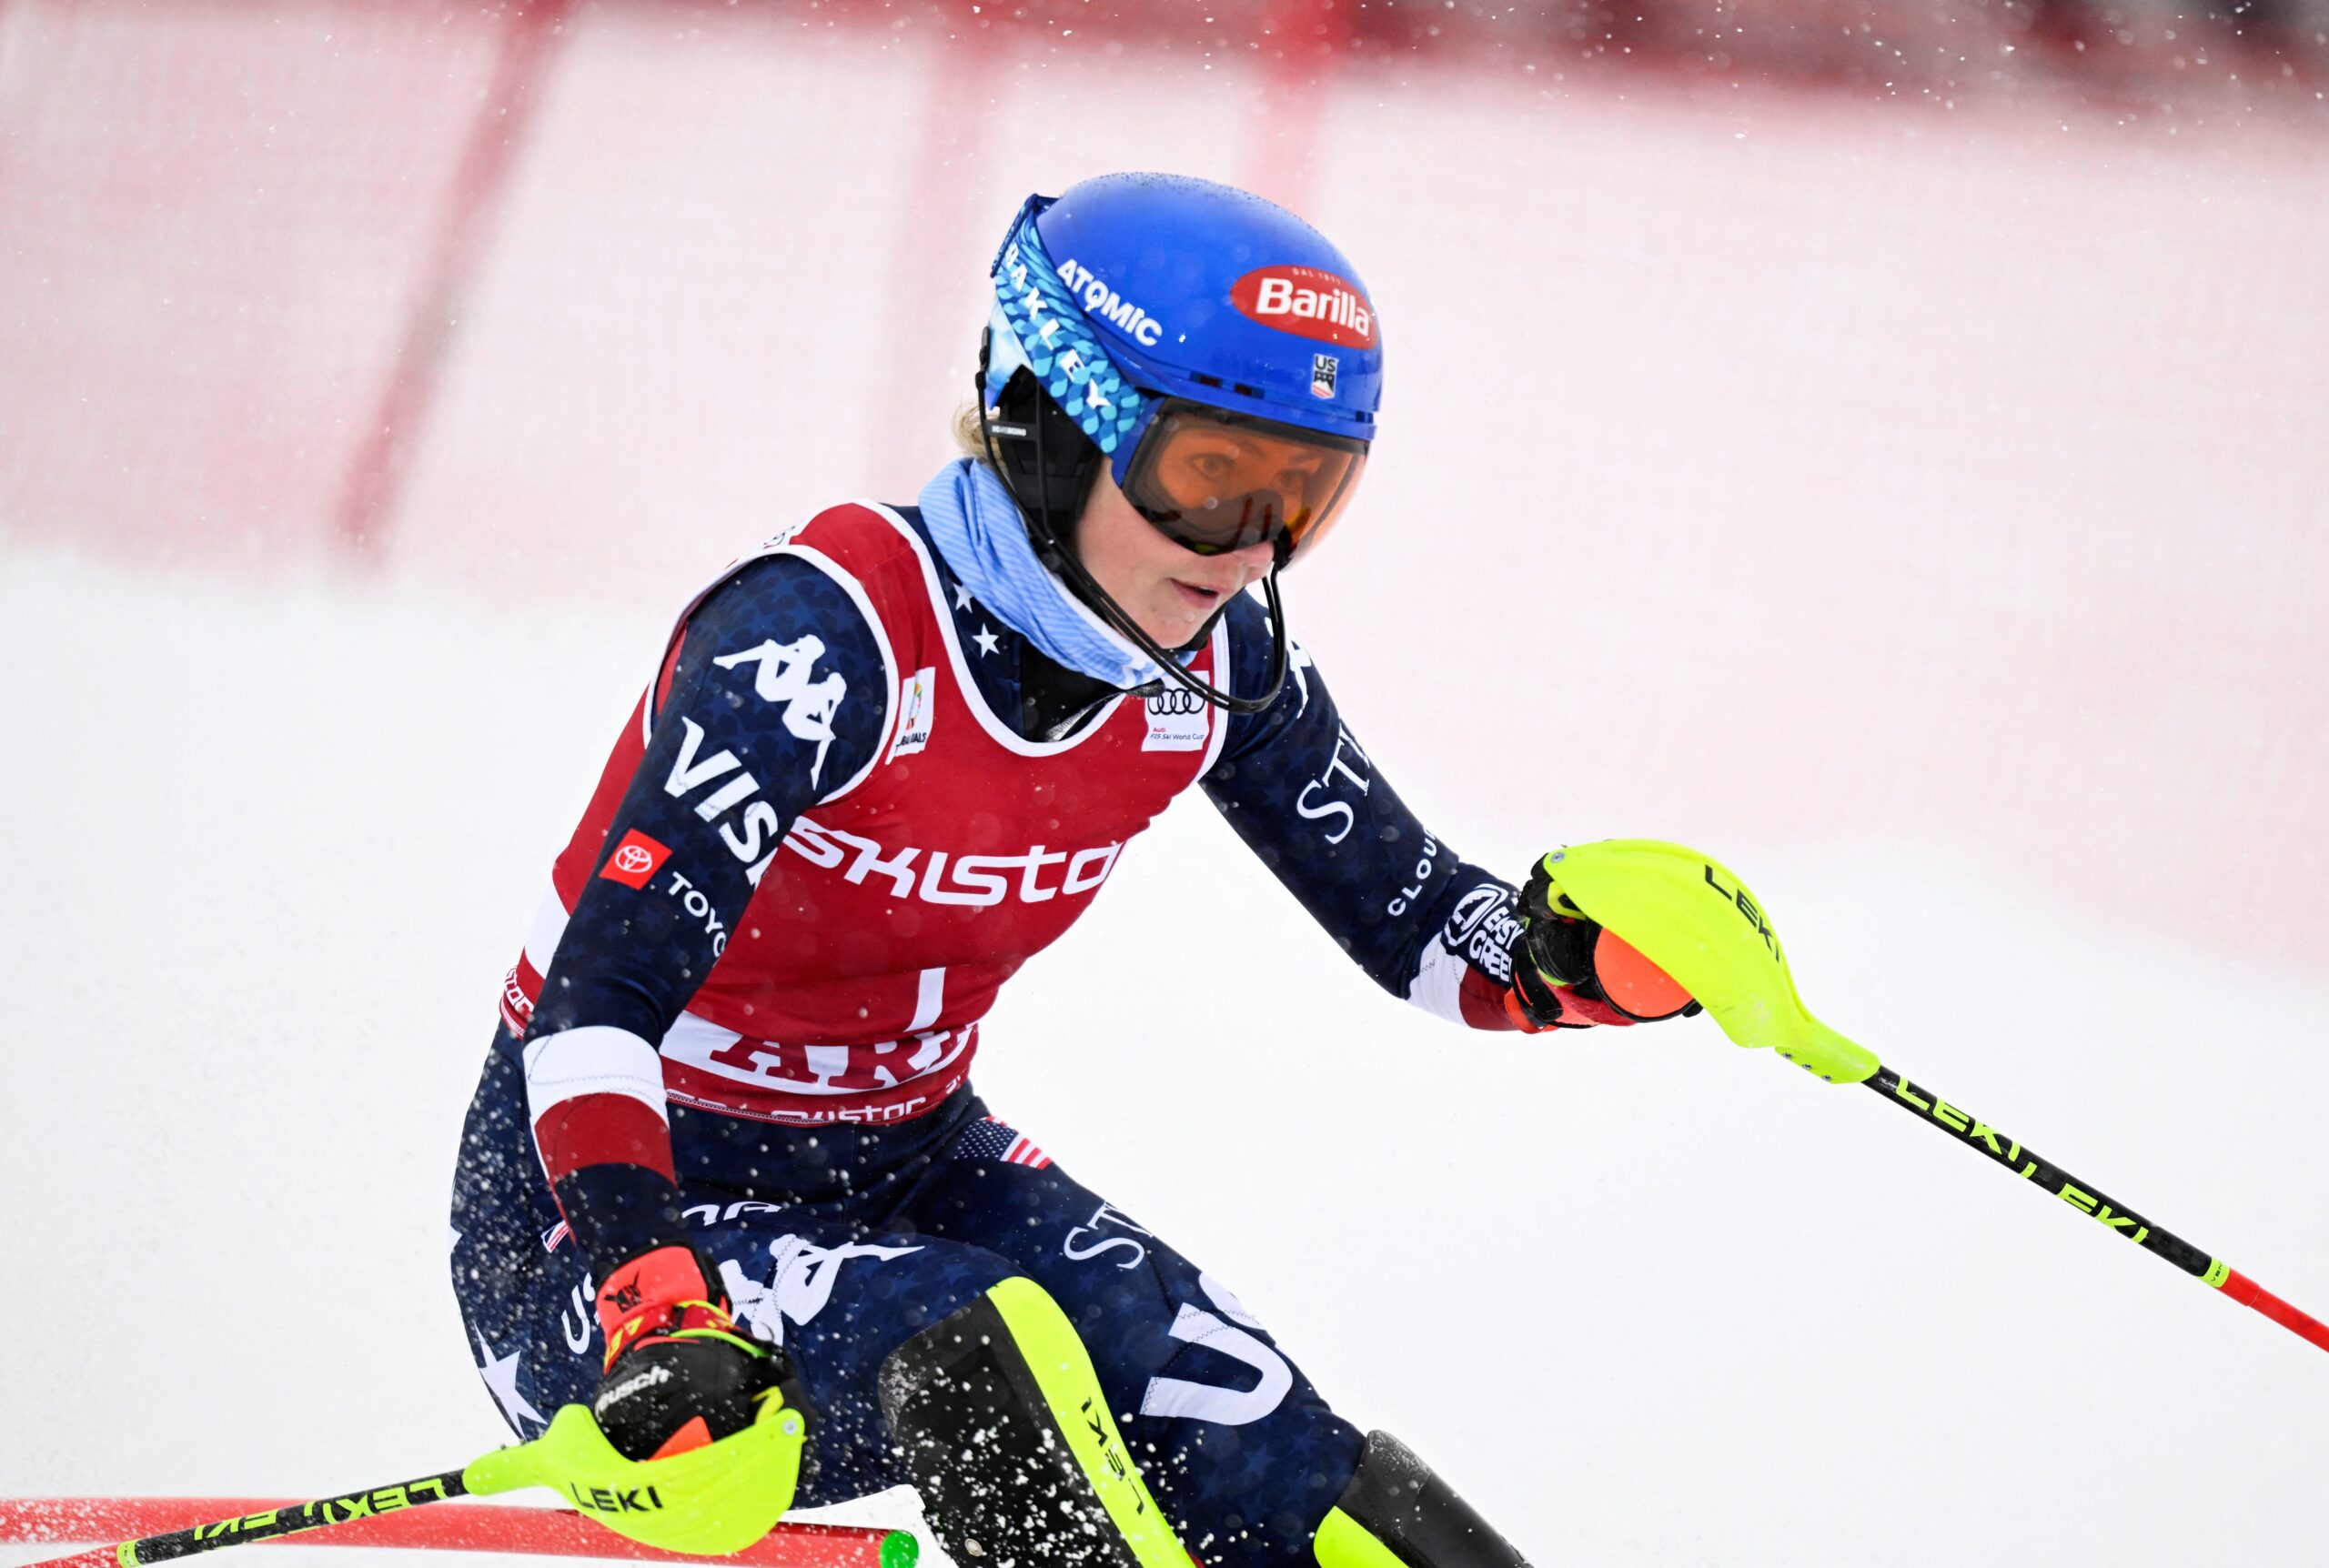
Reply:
x=1063, y=559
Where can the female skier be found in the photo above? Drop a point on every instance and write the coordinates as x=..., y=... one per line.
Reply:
x=886, y=759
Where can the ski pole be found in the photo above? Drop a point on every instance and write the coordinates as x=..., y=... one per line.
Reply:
x=724, y=1499
x=1978, y=1135
x=1695, y=919
x=463, y=1527
x=266, y=1524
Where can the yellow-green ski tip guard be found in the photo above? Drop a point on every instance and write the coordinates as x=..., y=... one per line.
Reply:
x=1691, y=916
x=709, y=1501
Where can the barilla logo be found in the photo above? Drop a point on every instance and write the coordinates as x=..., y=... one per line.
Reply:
x=1098, y=299
x=1308, y=303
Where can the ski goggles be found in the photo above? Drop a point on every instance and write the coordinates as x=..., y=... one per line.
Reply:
x=1212, y=481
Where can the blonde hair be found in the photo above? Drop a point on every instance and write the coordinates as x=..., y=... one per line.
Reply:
x=968, y=438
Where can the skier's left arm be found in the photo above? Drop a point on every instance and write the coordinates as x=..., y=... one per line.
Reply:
x=1426, y=924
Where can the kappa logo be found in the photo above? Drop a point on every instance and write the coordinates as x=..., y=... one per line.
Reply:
x=635, y=860
x=1178, y=721
x=801, y=1283
x=1308, y=303
x=786, y=675
x=914, y=701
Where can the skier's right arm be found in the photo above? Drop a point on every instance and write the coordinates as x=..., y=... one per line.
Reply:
x=752, y=719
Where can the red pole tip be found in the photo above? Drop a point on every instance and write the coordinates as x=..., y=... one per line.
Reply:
x=2249, y=1293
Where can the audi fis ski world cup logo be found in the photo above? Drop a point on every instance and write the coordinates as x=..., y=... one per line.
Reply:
x=1176, y=722
x=635, y=860
x=1308, y=303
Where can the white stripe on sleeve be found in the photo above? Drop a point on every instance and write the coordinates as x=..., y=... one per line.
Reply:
x=548, y=930
x=597, y=1060
x=1438, y=983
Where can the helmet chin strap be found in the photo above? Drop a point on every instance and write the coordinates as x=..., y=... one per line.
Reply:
x=1052, y=549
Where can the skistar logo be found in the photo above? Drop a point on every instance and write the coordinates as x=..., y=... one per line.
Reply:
x=1308, y=303
x=634, y=861
x=972, y=881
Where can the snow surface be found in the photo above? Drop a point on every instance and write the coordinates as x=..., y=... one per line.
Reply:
x=1644, y=1297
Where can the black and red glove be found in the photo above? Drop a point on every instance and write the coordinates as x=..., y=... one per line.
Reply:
x=678, y=1372
x=1571, y=973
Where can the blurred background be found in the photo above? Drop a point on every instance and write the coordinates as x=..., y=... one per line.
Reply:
x=1915, y=408
x=1883, y=443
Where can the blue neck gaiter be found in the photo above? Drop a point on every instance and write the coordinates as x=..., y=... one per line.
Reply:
x=979, y=530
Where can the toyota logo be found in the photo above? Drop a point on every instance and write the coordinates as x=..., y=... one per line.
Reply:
x=631, y=860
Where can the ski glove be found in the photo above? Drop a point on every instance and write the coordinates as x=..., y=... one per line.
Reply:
x=678, y=1374
x=1571, y=973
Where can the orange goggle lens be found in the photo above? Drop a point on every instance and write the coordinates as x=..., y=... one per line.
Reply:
x=1212, y=481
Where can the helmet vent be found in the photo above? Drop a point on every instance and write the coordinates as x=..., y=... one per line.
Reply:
x=1202, y=379
x=1239, y=387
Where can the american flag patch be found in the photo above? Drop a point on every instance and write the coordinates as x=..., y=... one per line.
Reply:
x=992, y=1140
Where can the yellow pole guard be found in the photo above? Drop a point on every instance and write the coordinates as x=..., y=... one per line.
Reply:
x=708, y=1502
x=1692, y=917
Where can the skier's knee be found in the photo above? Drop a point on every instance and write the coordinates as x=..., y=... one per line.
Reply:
x=1395, y=1513
x=1009, y=1440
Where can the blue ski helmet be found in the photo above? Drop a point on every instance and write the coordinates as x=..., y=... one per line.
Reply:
x=1135, y=295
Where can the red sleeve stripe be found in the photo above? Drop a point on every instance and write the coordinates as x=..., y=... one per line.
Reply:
x=599, y=1060
x=601, y=1130
x=1482, y=1001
